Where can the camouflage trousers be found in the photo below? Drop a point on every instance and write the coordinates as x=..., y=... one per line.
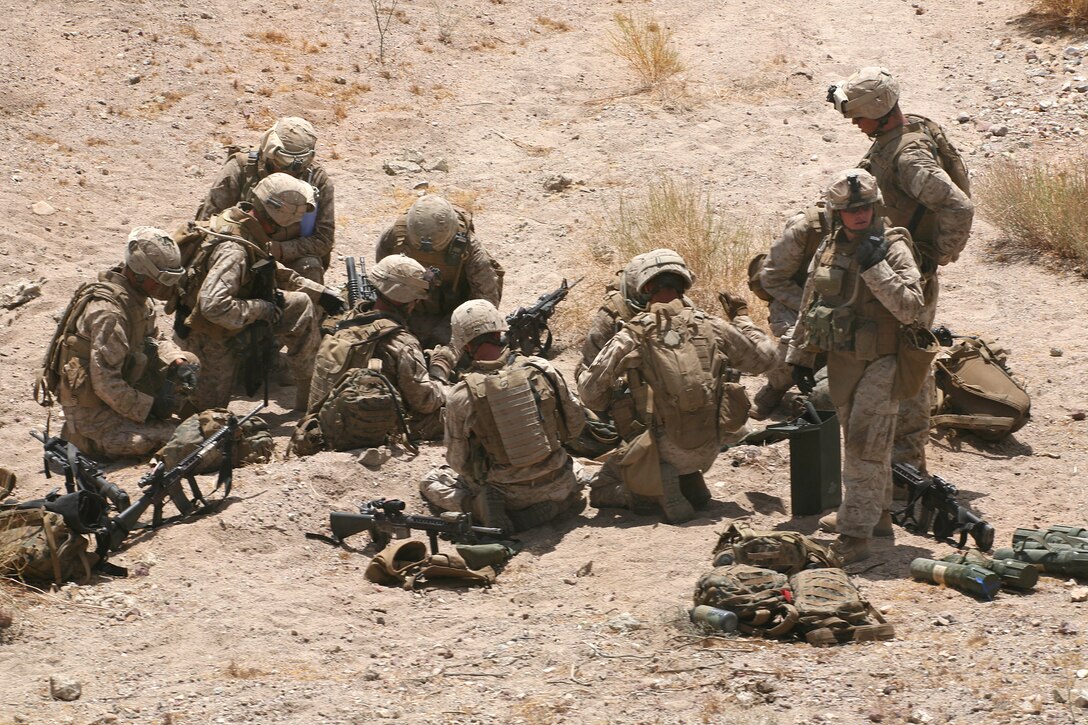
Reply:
x=102, y=433
x=607, y=487
x=868, y=422
x=912, y=427
x=297, y=330
x=443, y=488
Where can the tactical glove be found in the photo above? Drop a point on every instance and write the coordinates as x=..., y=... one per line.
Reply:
x=165, y=402
x=733, y=305
x=185, y=375
x=872, y=250
x=804, y=378
x=332, y=304
x=441, y=363
x=268, y=312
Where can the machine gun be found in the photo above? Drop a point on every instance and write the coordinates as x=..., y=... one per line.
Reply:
x=359, y=287
x=80, y=473
x=385, y=519
x=529, y=331
x=939, y=510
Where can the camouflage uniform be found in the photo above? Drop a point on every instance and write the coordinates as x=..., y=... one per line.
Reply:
x=308, y=256
x=106, y=414
x=472, y=275
x=921, y=196
x=552, y=479
x=226, y=304
x=746, y=349
x=783, y=278
x=887, y=295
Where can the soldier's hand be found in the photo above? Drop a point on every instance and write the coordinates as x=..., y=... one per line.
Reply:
x=872, y=250
x=804, y=378
x=268, y=311
x=165, y=402
x=733, y=305
x=441, y=363
x=331, y=303
x=185, y=375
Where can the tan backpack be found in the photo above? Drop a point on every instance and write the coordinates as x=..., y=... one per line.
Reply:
x=408, y=563
x=252, y=441
x=976, y=392
x=37, y=546
x=831, y=610
x=787, y=552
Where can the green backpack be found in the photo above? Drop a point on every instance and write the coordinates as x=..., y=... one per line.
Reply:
x=363, y=410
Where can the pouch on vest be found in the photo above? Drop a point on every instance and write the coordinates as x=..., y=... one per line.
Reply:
x=37, y=546
x=759, y=597
x=363, y=410
x=733, y=408
x=818, y=332
x=252, y=441
x=830, y=609
x=976, y=392
x=787, y=552
x=917, y=348
x=514, y=407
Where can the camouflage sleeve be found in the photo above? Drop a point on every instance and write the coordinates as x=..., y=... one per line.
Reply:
x=785, y=257
x=225, y=191
x=797, y=354
x=106, y=326
x=289, y=280
x=595, y=382
x=421, y=392
x=458, y=427
x=218, y=298
x=922, y=177
x=570, y=407
x=601, y=330
x=320, y=243
x=482, y=274
x=896, y=281
x=168, y=350
x=385, y=245
x=748, y=348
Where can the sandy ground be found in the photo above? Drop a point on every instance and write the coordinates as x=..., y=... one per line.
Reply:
x=115, y=113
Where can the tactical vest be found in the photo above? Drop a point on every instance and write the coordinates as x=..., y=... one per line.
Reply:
x=676, y=373
x=66, y=367
x=899, y=208
x=519, y=418
x=258, y=281
x=843, y=315
x=450, y=263
x=346, y=349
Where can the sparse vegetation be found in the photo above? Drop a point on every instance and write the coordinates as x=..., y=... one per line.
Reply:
x=1073, y=13
x=384, y=12
x=446, y=22
x=647, y=47
x=1040, y=206
x=551, y=24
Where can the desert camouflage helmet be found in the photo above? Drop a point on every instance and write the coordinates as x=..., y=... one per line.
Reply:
x=283, y=198
x=658, y=262
x=472, y=319
x=852, y=188
x=432, y=223
x=869, y=93
x=289, y=144
x=151, y=252
x=401, y=279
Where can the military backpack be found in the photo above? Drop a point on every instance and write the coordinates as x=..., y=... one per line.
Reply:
x=976, y=392
x=37, y=545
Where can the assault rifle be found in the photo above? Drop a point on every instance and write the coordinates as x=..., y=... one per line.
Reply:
x=359, y=287
x=385, y=519
x=936, y=499
x=80, y=473
x=529, y=331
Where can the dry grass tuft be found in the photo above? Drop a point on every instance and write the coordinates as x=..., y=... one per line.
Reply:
x=276, y=37
x=1069, y=13
x=678, y=215
x=549, y=23
x=1040, y=206
x=236, y=671
x=647, y=47
x=771, y=80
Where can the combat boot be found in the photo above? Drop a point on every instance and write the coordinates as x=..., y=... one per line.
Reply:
x=883, y=527
x=850, y=549
x=302, y=394
x=676, y=508
x=693, y=487
x=611, y=496
x=765, y=402
x=489, y=509
x=535, y=514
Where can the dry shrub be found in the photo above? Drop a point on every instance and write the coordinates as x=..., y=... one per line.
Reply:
x=546, y=22
x=678, y=215
x=1040, y=206
x=277, y=37
x=468, y=199
x=1072, y=13
x=647, y=47
x=236, y=671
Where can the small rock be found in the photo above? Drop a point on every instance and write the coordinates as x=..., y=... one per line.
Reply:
x=624, y=623
x=1059, y=696
x=413, y=156
x=982, y=126
x=558, y=182
x=204, y=15
x=1079, y=698
x=1080, y=594
x=829, y=137
x=876, y=717
x=62, y=687
x=374, y=457
x=963, y=117
x=1082, y=674
x=999, y=130
x=371, y=675
x=340, y=80
x=1056, y=352
x=19, y=293
x=421, y=185
x=396, y=168
x=133, y=79
x=919, y=716
x=439, y=164
x=1078, y=415
x=42, y=208
x=1067, y=628
x=919, y=11
x=1032, y=705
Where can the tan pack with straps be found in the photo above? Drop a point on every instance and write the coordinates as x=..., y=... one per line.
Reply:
x=408, y=563
x=976, y=392
x=787, y=552
x=831, y=610
x=37, y=546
